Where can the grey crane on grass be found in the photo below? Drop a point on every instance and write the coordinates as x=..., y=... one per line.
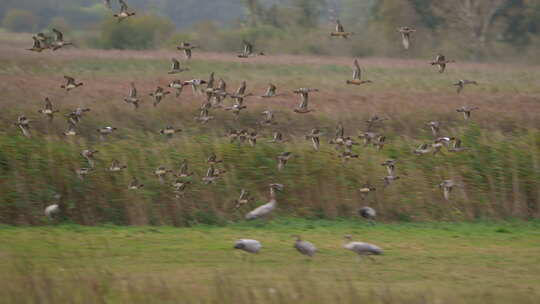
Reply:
x=361, y=248
x=267, y=208
x=368, y=213
x=304, y=247
x=248, y=245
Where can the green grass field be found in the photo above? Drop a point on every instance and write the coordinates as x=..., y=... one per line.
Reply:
x=482, y=262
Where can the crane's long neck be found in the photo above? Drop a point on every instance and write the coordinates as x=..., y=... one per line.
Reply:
x=272, y=195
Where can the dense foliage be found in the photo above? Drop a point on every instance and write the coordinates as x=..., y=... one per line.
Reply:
x=472, y=29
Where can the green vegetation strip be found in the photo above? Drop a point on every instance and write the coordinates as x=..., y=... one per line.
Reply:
x=445, y=260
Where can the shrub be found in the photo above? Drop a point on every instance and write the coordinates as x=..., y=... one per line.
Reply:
x=142, y=32
x=17, y=20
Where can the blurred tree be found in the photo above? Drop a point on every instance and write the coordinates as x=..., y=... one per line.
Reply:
x=308, y=12
x=143, y=32
x=425, y=12
x=357, y=13
x=479, y=19
x=18, y=20
x=523, y=22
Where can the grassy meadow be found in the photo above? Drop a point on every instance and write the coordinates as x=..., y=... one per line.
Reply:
x=482, y=262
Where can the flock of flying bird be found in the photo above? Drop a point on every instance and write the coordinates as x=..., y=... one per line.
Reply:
x=213, y=96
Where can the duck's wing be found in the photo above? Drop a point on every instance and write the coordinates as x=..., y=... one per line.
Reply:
x=37, y=44
x=442, y=67
x=48, y=104
x=175, y=64
x=357, y=72
x=210, y=172
x=69, y=79
x=339, y=27
x=243, y=194
x=133, y=91
x=405, y=37
x=59, y=35
x=184, y=168
x=446, y=192
x=242, y=89
x=305, y=100
x=316, y=142
x=115, y=163
x=340, y=131
x=123, y=6
x=459, y=87
x=248, y=48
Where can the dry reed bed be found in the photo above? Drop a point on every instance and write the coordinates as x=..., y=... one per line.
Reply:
x=500, y=175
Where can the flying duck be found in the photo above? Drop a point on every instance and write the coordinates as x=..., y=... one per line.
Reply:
x=406, y=35
x=357, y=73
